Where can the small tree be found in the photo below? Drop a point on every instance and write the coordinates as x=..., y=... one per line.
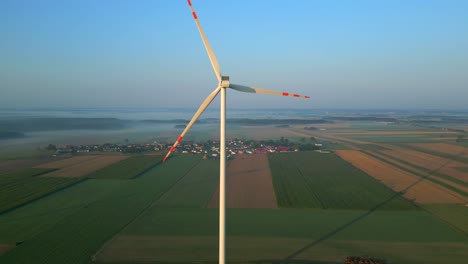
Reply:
x=51, y=147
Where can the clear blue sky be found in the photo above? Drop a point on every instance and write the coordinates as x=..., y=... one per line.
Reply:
x=346, y=54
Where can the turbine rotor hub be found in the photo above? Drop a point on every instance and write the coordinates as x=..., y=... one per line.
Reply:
x=225, y=82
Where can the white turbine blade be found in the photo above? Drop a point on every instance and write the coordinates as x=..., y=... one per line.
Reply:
x=209, y=50
x=195, y=117
x=247, y=89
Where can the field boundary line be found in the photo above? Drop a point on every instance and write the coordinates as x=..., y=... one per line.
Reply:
x=43, y=196
x=146, y=170
x=330, y=234
x=457, y=157
x=436, y=216
x=143, y=212
x=431, y=177
x=434, y=172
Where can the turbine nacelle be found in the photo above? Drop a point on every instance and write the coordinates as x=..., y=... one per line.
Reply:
x=225, y=82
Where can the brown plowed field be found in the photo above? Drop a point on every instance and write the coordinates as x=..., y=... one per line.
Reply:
x=66, y=162
x=248, y=183
x=431, y=162
x=444, y=148
x=85, y=167
x=8, y=165
x=412, y=186
x=5, y=247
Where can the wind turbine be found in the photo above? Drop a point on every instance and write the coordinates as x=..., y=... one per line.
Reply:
x=223, y=84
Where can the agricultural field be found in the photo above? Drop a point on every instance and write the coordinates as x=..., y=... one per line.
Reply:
x=84, y=167
x=127, y=168
x=317, y=180
x=195, y=189
x=291, y=207
x=68, y=227
x=22, y=186
x=444, y=148
x=454, y=214
x=67, y=162
x=289, y=235
x=248, y=183
x=409, y=185
x=429, y=162
x=15, y=164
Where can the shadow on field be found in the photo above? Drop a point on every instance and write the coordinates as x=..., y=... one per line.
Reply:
x=290, y=258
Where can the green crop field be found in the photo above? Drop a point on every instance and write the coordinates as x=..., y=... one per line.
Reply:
x=195, y=189
x=127, y=168
x=317, y=180
x=21, y=186
x=160, y=217
x=80, y=228
x=189, y=235
x=455, y=214
x=394, y=139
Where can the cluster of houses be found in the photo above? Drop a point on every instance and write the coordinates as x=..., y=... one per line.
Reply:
x=233, y=147
x=210, y=148
x=108, y=147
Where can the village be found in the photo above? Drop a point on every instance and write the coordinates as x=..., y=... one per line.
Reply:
x=210, y=149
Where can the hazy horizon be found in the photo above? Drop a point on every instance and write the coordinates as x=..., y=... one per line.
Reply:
x=344, y=54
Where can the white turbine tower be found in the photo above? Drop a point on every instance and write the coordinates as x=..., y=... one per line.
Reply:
x=223, y=83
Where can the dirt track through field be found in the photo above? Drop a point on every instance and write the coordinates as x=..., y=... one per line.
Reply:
x=85, y=167
x=414, y=187
x=248, y=184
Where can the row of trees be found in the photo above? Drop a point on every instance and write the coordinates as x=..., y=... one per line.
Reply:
x=304, y=144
